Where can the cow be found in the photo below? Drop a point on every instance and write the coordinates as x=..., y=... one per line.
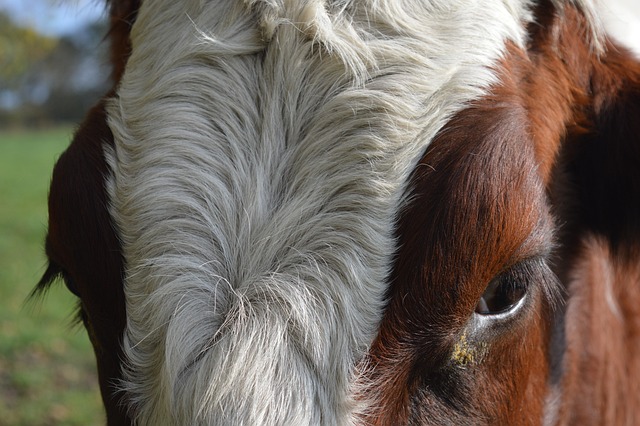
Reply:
x=353, y=212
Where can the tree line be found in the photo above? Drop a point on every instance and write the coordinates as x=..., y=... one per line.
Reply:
x=50, y=80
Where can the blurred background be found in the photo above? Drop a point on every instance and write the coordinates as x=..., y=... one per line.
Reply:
x=53, y=67
x=52, y=61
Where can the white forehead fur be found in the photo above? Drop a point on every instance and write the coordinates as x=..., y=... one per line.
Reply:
x=262, y=150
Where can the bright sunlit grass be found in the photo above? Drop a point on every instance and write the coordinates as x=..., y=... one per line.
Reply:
x=47, y=369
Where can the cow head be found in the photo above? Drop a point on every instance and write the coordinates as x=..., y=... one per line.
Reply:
x=358, y=212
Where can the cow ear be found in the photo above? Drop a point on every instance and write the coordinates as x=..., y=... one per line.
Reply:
x=598, y=193
x=596, y=197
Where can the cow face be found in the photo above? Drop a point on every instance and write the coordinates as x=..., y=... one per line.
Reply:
x=355, y=213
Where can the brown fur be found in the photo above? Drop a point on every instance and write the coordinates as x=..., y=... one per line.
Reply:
x=122, y=15
x=597, y=198
x=81, y=237
x=478, y=210
x=595, y=190
x=82, y=242
x=600, y=383
x=579, y=115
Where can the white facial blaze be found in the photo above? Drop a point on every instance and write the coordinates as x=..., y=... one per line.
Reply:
x=262, y=153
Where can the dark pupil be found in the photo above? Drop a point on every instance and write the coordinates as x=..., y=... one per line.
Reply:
x=501, y=294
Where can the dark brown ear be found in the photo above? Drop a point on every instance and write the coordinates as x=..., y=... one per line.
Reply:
x=596, y=196
x=602, y=164
x=122, y=15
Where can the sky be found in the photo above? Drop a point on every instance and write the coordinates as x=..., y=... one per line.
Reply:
x=58, y=17
x=622, y=20
x=54, y=17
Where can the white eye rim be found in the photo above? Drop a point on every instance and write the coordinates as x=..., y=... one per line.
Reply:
x=506, y=314
x=484, y=307
x=498, y=323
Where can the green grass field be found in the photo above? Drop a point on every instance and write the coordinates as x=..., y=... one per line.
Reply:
x=47, y=369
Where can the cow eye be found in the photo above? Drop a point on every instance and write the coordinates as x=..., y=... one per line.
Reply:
x=501, y=295
x=51, y=275
x=69, y=282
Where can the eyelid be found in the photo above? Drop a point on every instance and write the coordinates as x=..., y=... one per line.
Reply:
x=525, y=265
x=51, y=274
x=70, y=283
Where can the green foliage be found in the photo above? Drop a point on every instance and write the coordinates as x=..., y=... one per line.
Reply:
x=20, y=49
x=47, y=368
x=46, y=80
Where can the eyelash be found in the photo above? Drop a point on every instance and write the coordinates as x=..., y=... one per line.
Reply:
x=506, y=290
x=53, y=273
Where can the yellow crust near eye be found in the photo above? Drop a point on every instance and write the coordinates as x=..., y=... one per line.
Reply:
x=464, y=353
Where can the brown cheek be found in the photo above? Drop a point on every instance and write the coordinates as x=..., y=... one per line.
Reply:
x=84, y=241
x=476, y=204
x=80, y=228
